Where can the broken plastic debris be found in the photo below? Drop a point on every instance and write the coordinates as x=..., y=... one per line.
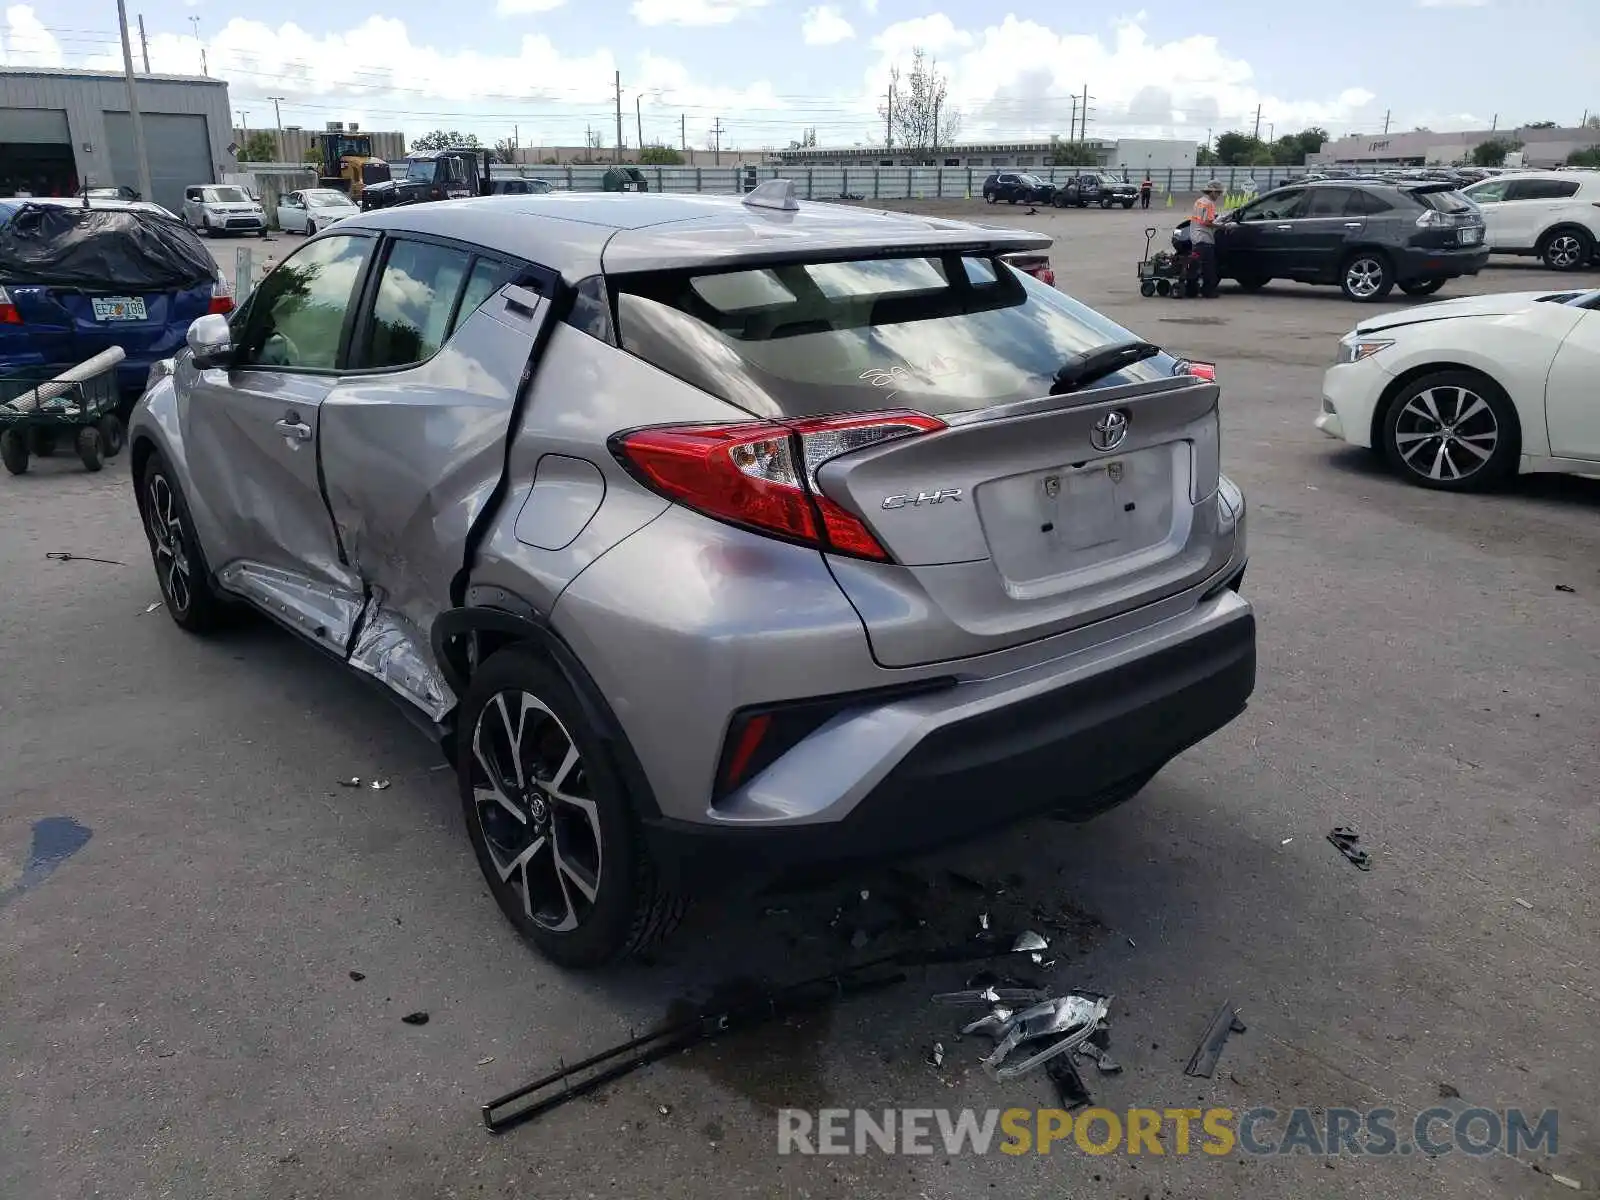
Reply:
x=1522, y=902
x=1027, y=942
x=990, y=1023
x=1101, y=1058
x=1078, y=1017
x=994, y=995
x=357, y=976
x=150, y=608
x=416, y=1018
x=379, y=785
x=865, y=894
x=664, y=1111
x=983, y=922
x=1344, y=840
x=1286, y=841
x=1565, y=587
x=936, y=1055
x=485, y=1061
x=1565, y=1181
x=353, y=781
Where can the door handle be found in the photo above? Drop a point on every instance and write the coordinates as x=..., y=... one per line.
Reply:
x=1285, y=228
x=297, y=431
x=1352, y=224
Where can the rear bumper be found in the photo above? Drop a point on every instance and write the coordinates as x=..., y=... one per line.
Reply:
x=1077, y=748
x=1439, y=263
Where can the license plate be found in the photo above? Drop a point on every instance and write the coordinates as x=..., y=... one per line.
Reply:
x=119, y=308
x=1471, y=237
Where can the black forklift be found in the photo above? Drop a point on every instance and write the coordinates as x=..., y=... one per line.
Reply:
x=424, y=176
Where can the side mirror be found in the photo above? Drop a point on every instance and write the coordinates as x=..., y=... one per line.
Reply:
x=210, y=341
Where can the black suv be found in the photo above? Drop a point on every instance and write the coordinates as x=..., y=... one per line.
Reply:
x=1365, y=237
x=1100, y=187
x=1012, y=186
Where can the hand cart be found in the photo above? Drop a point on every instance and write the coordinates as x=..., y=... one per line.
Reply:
x=44, y=408
x=1168, y=273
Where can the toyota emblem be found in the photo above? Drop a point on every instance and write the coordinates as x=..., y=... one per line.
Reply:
x=1110, y=431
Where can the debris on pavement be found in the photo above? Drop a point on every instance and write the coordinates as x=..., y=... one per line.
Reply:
x=1286, y=841
x=379, y=785
x=486, y=1060
x=152, y=606
x=983, y=922
x=1204, y=1059
x=416, y=1018
x=859, y=938
x=1565, y=1181
x=1028, y=942
x=993, y=995
x=1448, y=1092
x=1070, y=1088
x=1522, y=902
x=353, y=781
x=1074, y=1017
x=1344, y=840
x=1563, y=587
x=936, y=1055
x=569, y=1082
x=664, y=1110
x=357, y=976
x=68, y=556
x=1101, y=1058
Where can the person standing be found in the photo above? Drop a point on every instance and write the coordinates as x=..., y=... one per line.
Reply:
x=1145, y=189
x=1203, y=236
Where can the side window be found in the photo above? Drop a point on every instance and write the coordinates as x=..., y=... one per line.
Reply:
x=1329, y=202
x=1488, y=193
x=1546, y=189
x=416, y=298
x=1366, y=204
x=487, y=278
x=1280, y=206
x=297, y=315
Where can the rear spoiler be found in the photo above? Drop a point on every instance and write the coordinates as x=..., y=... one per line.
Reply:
x=720, y=248
x=1431, y=185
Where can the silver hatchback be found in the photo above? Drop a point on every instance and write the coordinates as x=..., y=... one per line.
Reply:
x=713, y=537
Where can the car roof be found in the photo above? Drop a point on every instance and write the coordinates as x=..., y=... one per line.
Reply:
x=11, y=204
x=584, y=233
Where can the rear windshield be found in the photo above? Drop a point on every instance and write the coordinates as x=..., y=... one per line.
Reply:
x=942, y=335
x=227, y=195
x=1447, y=202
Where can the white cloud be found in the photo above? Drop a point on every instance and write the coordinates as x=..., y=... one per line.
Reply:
x=869, y=6
x=515, y=8
x=692, y=12
x=1018, y=77
x=1453, y=3
x=25, y=42
x=824, y=26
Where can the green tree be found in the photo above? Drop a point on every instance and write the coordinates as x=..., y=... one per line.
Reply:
x=259, y=146
x=439, y=139
x=808, y=139
x=1585, y=158
x=505, y=150
x=1540, y=125
x=313, y=154
x=1493, y=152
x=1205, y=156
x=1074, y=154
x=660, y=156
x=1236, y=149
x=922, y=118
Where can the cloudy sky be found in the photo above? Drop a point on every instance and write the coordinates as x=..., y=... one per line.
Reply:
x=772, y=68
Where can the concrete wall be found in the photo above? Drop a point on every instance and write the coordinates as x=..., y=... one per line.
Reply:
x=86, y=96
x=1156, y=154
x=1541, y=147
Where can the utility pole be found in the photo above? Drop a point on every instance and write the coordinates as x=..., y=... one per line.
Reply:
x=1256, y=136
x=618, y=156
x=935, y=147
x=1387, y=113
x=144, y=45
x=1083, y=109
x=638, y=123
x=1494, y=124
x=888, y=120
x=142, y=157
x=683, y=131
x=195, y=23
x=716, y=142
x=1072, y=127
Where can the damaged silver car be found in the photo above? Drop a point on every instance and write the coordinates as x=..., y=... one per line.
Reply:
x=712, y=536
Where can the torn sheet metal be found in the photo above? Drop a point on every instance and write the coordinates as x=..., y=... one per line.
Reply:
x=1029, y=942
x=398, y=656
x=1204, y=1059
x=324, y=612
x=993, y=995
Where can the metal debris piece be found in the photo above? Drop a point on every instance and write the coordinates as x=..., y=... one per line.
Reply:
x=485, y=1061
x=357, y=976
x=664, y=1111
x=1133, y=943
x=353, y=781
x=416, y=1018
x=1565, y=1181
x=994, y=995
x=379, y=785
x=1204, y=1059
x=1286, y=841
x=1563, y=587
x=68, y=556
x=1078, y=1017
x=990, y=1023
x=150, y=608
x=1028, y=941
x=936, y=1055
x=983, y=922
x=1344, y=840
x=1070, y=1088
x=569, y=1082
x=1522, y=902
x=1101, y=1057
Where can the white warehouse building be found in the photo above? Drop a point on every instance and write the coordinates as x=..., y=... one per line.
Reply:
x=61, y=130
x=1131, y=154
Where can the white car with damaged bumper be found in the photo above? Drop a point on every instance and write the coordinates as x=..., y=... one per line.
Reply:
x=1461, y=394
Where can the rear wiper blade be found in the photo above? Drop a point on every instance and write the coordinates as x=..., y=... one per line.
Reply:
x=1092, y=365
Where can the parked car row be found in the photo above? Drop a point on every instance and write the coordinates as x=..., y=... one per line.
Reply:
x=1092, y=187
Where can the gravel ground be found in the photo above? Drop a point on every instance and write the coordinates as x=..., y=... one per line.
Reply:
x=179, y=1015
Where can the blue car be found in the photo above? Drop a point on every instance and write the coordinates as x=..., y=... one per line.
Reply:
x=77, y=278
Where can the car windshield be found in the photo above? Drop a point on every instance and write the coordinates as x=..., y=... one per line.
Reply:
x=1445, y=202
x=421, y=170
x=1109, y=178
x=942, y=335
x=327, y=199
x=226, y=195
x=1030, y=179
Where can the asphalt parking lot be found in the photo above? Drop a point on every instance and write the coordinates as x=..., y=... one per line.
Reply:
x=179, y=1009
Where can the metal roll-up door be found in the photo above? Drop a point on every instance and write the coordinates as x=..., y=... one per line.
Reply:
x=34, y=126
x=179, y=147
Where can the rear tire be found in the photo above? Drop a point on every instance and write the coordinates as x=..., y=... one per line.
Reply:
x=91, y=448
x=563, y=854
x=1127, y=204
x=1453, y=431
x=1366, y=277
x=180, y=564
x=113, y=434
x=1253, y=283
x=1147, y=287
x=1566, y=249
x=14, y=451
x=990, y=197
x=1422, y=287
x=1011, y=199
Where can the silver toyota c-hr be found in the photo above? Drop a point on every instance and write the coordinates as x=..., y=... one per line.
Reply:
x=714, y=537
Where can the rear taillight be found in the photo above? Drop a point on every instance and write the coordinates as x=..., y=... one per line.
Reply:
x=762, y=474
x=9, y=315
x=221, y=299
x=1200, y=370
x=1047, y=276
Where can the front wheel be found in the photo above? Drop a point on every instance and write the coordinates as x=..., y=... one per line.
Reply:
x=550, y=821
x=1127, y=204
x=1147, y=287
x=1422, y=287
x=14, y=451
x=1566, y=249
x=180, y=565
x=1365, y=277
x=91, y=448
x=1454, y=431
x=1011, y=199
x=990, y=197
x=113, y=434
x=1253, y=283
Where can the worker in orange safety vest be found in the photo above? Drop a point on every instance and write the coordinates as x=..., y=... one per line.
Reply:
x=1203, y=236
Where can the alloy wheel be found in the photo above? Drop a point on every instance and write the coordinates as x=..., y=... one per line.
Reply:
x=1363, y=277
x=1565, y=252
x=166, y=537
x=533, y=804
x=1446, y=433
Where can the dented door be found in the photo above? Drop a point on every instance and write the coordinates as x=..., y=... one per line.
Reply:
x=412, y=453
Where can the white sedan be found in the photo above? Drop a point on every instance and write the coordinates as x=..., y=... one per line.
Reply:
x=1461, y=394
x=313, y=209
